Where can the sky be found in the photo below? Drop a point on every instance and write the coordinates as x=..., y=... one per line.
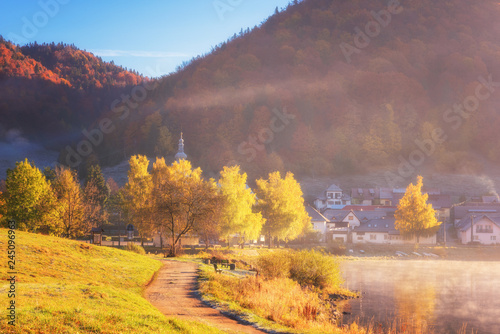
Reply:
x=150, y=36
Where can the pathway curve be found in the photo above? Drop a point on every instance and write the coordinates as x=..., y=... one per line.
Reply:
x=174, y=293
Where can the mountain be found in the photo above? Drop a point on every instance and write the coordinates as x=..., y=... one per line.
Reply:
x=50, y=92
x=325, y=87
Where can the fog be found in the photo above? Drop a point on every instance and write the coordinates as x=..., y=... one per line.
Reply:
x=429, y=296
x=16, y=148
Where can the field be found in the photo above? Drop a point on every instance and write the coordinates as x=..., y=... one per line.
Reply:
x=65, y=286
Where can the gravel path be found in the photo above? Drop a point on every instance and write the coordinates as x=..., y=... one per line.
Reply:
x=174, y=293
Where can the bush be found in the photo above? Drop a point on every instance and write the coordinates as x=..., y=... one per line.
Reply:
x=135, y=248
x=308, y=268
x=312, y=268
x=274, y=264
x=337, y=248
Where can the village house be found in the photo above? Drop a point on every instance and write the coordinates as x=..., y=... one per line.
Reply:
x=332, y=198
x=480, y=228
x=319, y=222
x=457, y=213
x=382, y=231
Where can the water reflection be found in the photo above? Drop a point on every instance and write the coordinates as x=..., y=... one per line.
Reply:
x=414, y=305
x=425, y=296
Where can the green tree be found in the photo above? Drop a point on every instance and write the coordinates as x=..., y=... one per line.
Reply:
x=281, y=203
x=165, y=143
x=2, y=205
x=30, y=199
x=49, y=173
x=181, y=199
x=237, y=215
x=70, y=203
x=96, y=193
x=94, y=175
x=415, y=217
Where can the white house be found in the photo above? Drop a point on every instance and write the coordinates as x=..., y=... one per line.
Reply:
x=382, y=231
x=332, y=198
x=341, y=224
x=319, y=222
x=484, y=229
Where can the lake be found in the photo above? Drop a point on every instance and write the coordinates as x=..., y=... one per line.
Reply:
x=423, y=296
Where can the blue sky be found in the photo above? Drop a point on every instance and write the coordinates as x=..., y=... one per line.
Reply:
x=150, y=36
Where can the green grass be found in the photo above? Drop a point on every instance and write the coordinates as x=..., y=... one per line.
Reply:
x=65, y=286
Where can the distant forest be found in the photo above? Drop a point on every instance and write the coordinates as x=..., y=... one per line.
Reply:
x=364, y=84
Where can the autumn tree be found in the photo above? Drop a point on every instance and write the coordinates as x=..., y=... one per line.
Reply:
x=238, y=215
x=209, y=228
x=30, y=199
x=70, y=203
x=415, y=217
x=138, y=195
x=181, y=199
x=281, y=203
x=2, y=205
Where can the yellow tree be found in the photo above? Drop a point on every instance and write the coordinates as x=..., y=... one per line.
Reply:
x=281, y=203
x=415, y=217
x=237, y=215
x=30, y=199
x=70, y=203
x=138, y=192
x=182, y=199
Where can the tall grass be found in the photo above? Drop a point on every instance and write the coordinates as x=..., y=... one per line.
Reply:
x=135, y=248
x=65, y=286
x=290, y=290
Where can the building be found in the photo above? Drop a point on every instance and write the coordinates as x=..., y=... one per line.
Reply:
x=382, y=231
x=319, y=222
x=479, y=228
x=332, y=198
x=457, y=213
x=344, y=221
x=365, y=196
x=180, y=155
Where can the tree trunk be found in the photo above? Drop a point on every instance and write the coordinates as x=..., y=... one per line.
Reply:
x=172, y=250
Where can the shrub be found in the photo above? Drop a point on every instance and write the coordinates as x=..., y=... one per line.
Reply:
x=308, y=268
x=312, y=268
x=337, y=248
x=274, y=264
x=135, y=248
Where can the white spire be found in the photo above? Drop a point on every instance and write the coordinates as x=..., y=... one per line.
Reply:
x=180, y=153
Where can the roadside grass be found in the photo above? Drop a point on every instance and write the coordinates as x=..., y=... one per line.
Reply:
x=64, y=286
x=278, y=301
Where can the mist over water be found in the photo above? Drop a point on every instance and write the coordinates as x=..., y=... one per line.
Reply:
x=426, y=295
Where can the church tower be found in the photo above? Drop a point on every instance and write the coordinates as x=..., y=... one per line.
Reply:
x=180, y=153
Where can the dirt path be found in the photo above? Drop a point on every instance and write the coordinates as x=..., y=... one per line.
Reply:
x=173, y=292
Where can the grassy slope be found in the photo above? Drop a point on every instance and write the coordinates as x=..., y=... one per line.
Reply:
x=65, y=288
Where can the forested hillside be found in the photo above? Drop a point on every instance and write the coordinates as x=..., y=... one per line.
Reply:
x=51, y=92
x=355, y=110
x=324, y=87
